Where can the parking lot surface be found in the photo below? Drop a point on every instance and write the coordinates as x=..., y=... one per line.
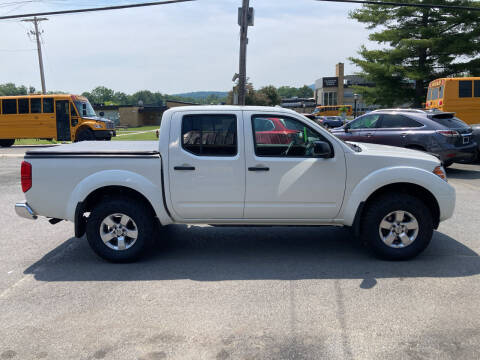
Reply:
x=239, y=293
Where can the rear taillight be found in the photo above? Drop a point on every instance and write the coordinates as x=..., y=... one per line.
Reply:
x=448, y=133
x=26, y=176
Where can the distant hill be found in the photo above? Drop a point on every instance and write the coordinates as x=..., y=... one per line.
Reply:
x=202, y=94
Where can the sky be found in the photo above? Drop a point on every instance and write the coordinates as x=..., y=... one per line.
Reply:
x=177, y=48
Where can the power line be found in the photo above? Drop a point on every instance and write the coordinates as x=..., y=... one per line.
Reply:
x=392, y=3
x=37, y=33
x=106, y=8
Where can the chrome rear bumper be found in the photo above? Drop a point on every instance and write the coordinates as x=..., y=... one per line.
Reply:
x=24, y=210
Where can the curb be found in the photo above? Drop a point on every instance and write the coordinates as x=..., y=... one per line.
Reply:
x=6, y=156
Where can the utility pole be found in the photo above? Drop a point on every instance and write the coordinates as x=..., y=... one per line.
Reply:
x=245, y=19
x=37, y=34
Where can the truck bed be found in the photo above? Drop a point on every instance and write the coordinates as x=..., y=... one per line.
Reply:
x=98, y=148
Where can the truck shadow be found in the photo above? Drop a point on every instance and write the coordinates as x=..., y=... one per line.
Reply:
x=466, y=174
x=249, y=253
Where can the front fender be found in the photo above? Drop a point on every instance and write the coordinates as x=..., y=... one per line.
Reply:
x=125, y=178
x=440, y=189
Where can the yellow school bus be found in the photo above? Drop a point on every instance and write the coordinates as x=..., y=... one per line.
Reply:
x=458, y=95
x=61, y=117
x=331, y=110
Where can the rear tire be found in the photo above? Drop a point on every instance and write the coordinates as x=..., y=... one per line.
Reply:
x=411, y=226
x=85, y=135
x=6, y=142
x=120, y=229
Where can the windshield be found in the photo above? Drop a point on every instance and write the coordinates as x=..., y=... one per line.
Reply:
x=84, y=108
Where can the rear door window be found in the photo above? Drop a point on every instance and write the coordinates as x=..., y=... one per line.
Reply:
x=9, y=106
x=390, y=121
x=210, y=134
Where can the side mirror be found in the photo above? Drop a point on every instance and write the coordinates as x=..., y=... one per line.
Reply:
x=101, y=113
x=321, y=149
x=346, y=127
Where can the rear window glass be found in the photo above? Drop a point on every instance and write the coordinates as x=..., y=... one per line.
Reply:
x=210, y=135
x=398, y=121
x=450, y=122
x=465, y=88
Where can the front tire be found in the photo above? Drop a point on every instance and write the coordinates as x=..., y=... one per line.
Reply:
x=85, y=135
x=397, y=227
x=6, y=142
x=120, y=229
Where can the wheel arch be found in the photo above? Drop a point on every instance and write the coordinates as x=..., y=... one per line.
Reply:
x=101, y=194
x=403, y=188
x=83, y=127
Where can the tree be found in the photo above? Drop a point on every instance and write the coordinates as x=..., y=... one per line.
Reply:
x=11, y=89
x=305, y=92
x=271, y=95
x=422, y=44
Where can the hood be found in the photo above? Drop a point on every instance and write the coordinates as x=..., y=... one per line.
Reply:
x=398, y=155
x=96, y=118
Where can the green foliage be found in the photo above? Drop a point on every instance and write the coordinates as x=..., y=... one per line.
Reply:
x=266, y=96
x=420, y=45
x=289, y=92
x=11, y=89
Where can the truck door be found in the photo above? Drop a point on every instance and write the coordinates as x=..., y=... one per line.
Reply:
x=207, y=165
x=62, y=112
x=285, y=180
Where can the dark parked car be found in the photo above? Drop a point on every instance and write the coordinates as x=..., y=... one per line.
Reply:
x=330, y=121
x=436, y=132
x=476, y=137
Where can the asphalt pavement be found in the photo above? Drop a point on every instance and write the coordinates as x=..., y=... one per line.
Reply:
x=238, y=293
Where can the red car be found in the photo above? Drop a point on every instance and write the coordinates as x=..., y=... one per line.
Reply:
x=273, y=131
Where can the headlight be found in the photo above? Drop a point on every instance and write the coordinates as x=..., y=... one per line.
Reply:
x=440, y=172
x=97, y=126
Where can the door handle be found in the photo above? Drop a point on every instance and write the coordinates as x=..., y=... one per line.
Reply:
x=184, y=168
x=404, y=134
x=369, y=134
x=258, y=169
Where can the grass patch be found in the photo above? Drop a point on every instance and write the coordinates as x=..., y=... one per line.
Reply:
x=137, y=137
x=142, y=128
x=35, y=142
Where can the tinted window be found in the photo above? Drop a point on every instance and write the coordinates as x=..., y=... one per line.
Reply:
x=264, y=125
x=9, y=106
x=36, y=106
x=440, y=94
x=295, y=139
x=476, y=88
x=48, y=105
x=23, y=106
x=465, y=88
x=210, y=135
x=450, y=122
x=398, y=121
x=365, y=122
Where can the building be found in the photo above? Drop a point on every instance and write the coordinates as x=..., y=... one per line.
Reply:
x=338, y=90
x=135, y=116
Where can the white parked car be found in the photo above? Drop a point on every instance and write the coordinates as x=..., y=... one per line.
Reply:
x=227, y=165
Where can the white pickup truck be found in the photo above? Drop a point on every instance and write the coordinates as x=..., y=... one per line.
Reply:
x=230, y=165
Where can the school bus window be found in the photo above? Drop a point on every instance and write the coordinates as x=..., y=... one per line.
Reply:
x=73, y=112
x=36, y=106
x=9, y=106
x=23, y=106
x=440, y=90
x=476, y=88
x=465, y=89
x=435, y=94
x=48, y=105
